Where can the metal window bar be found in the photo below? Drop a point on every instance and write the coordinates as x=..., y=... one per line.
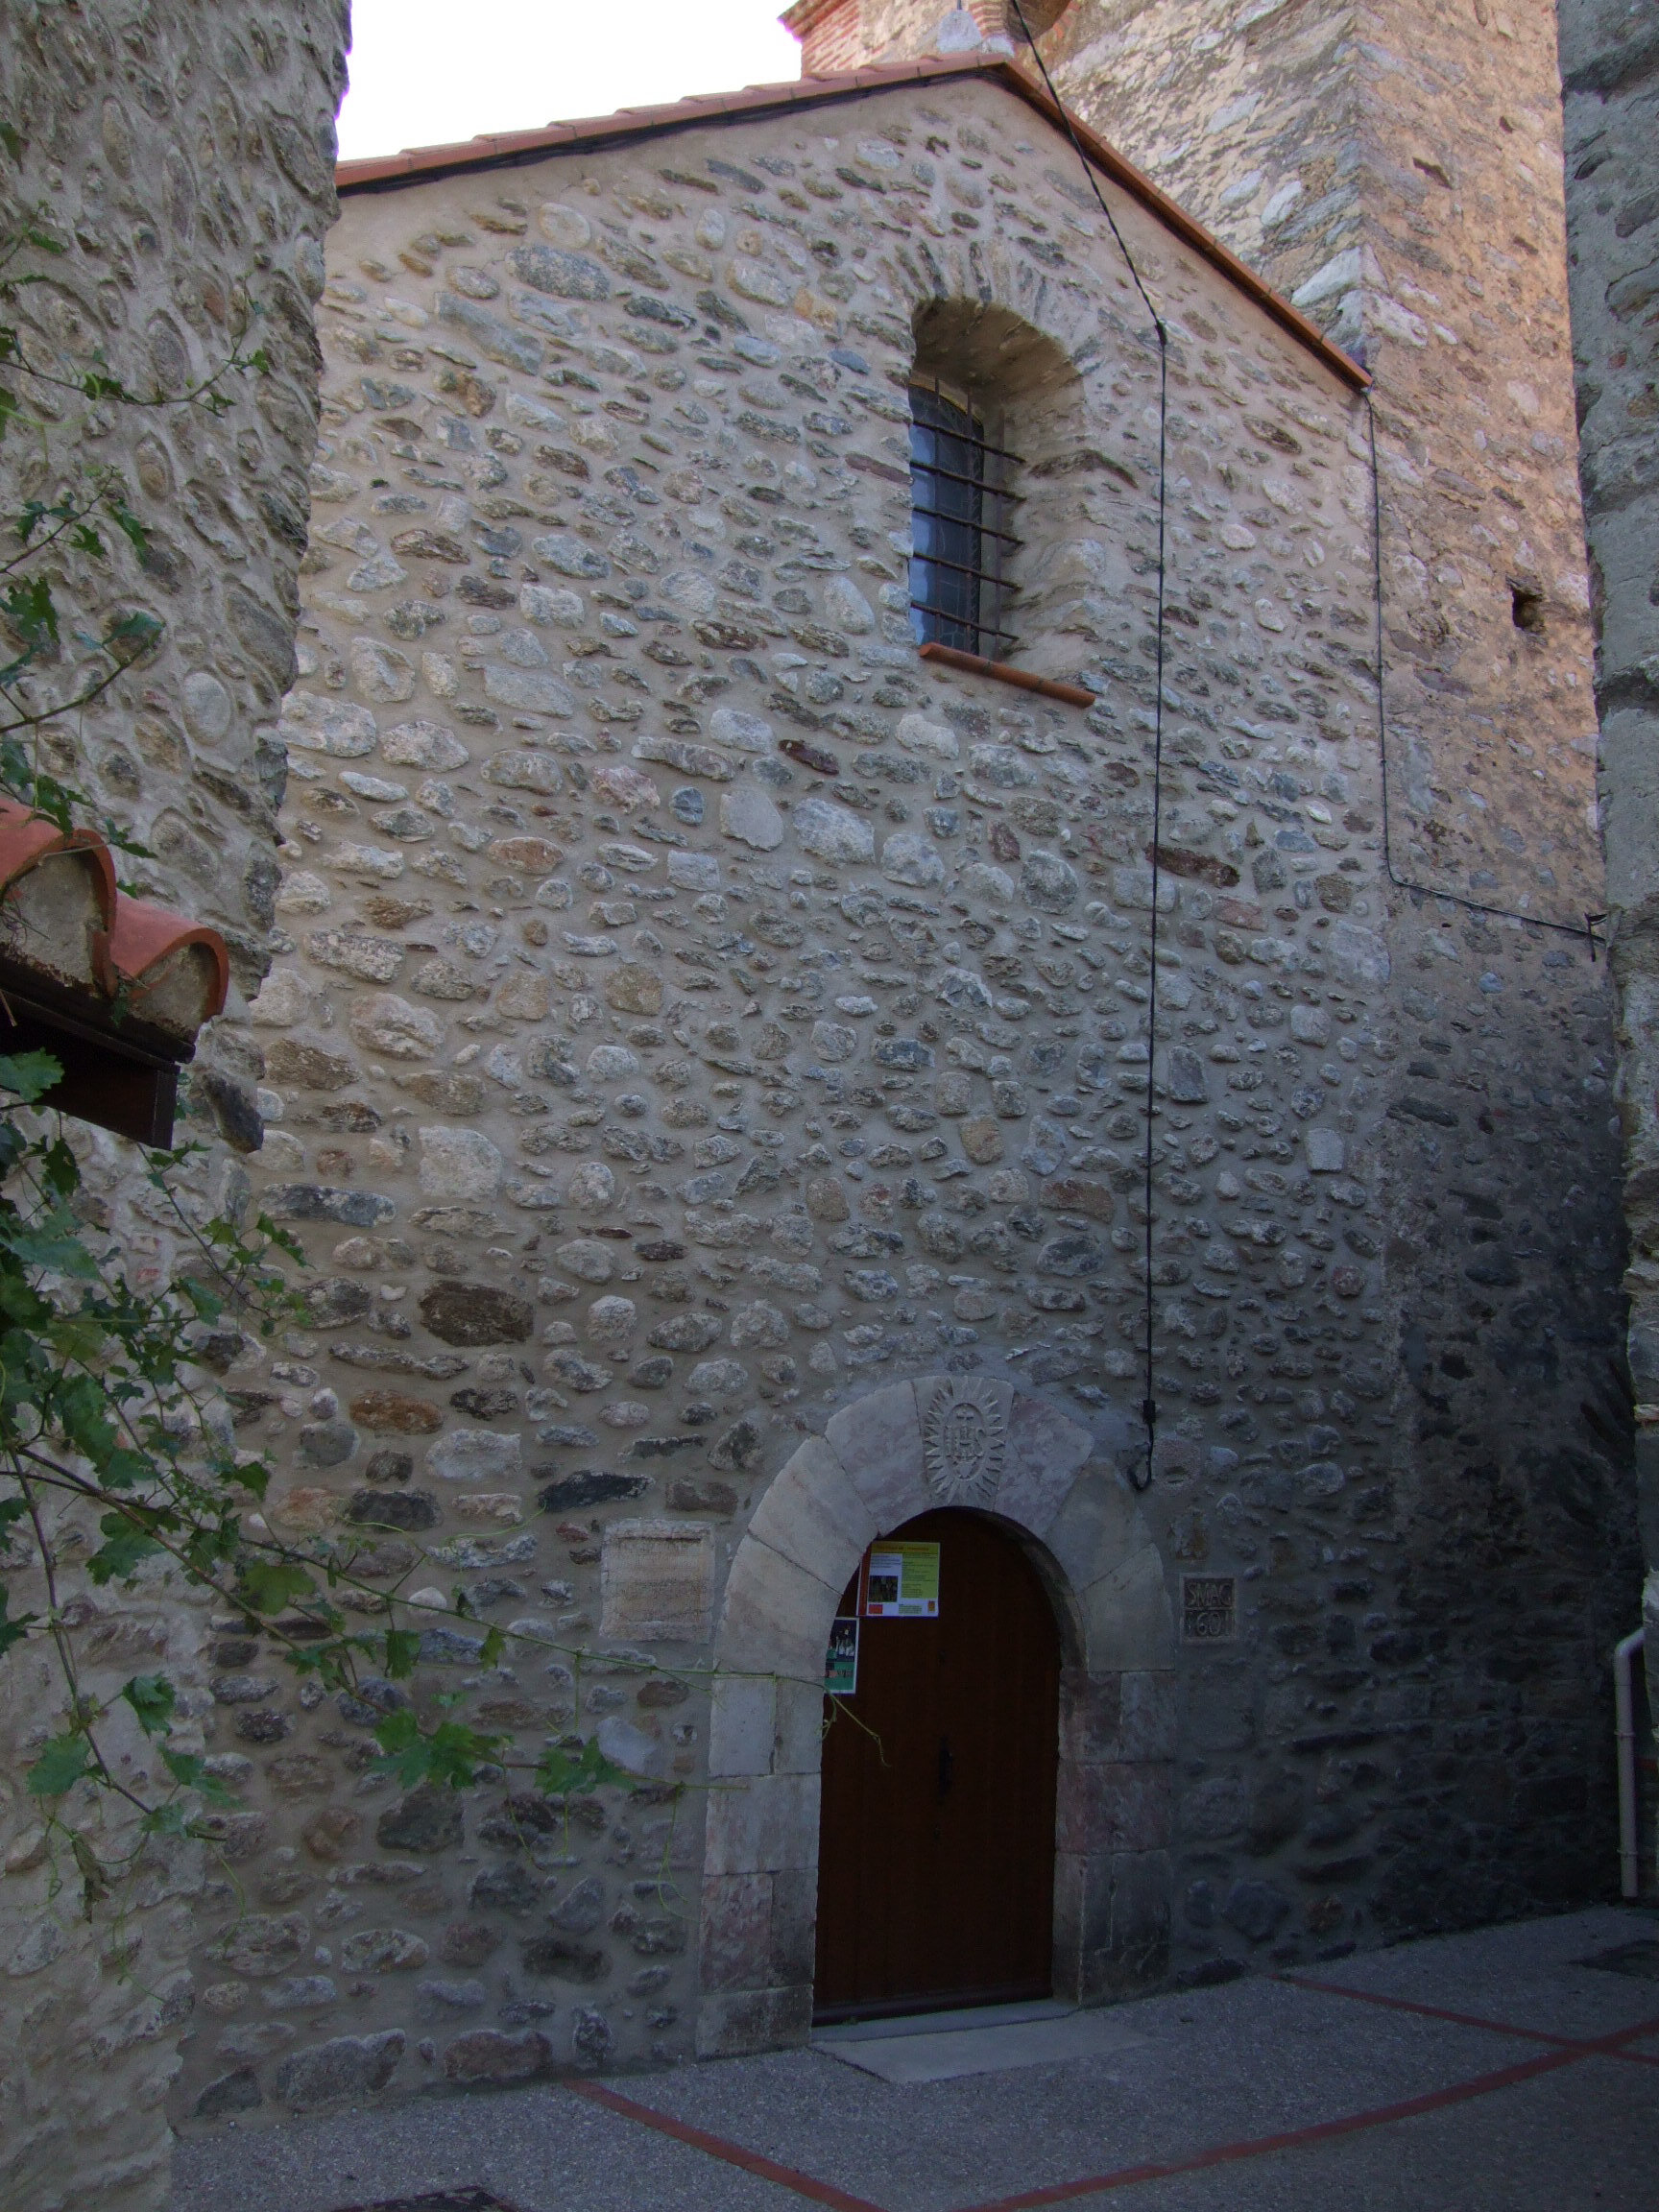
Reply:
x=969, y=436
x=985, y=630
x=1007, y=537
x=955, y=476
x=980, y=445
x=961, y=568
x=956, y=586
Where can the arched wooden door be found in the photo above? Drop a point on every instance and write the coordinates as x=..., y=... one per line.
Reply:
x=936, y=1840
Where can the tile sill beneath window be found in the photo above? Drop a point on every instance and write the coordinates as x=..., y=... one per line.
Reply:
x=1005, y=672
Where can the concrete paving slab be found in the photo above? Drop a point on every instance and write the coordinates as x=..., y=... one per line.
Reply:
x=1571, y=2142
x=540, y=2150
x=939, y=2023
x=1251, y=2059
x=1531, y=1973
x=1260, y=2095
x=981, y=2047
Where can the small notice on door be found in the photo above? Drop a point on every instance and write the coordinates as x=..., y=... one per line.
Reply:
x=841, y=1666
x=902, y=1583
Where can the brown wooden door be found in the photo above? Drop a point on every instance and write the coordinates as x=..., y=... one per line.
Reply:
x=936, y=1840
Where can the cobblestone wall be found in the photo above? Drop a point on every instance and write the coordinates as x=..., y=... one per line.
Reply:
x=695, y=1012
x=183, y=159
x=1397, y=172
x=1610, y=68
x=1396, y=169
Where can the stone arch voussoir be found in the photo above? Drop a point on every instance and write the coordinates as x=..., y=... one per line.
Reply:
x=996, y=278
x=883, y=1460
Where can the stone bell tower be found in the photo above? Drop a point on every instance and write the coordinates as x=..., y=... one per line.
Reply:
x=1395, y=169
x=841, y=34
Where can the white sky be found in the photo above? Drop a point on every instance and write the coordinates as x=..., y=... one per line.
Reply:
x=424, y=72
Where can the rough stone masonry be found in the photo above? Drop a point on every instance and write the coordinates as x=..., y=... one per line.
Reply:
x=704, y=1034
x=1610, y=70
x=182, y=159
x=1396, y=169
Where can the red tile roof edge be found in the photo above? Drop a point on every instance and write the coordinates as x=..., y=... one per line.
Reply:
x=141, y=937
x=387, y=169
x=28, y=838
x=135, y=935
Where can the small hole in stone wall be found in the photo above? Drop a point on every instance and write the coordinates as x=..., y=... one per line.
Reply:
x=1526, y=607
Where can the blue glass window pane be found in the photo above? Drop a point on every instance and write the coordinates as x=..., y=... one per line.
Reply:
x=946, y=493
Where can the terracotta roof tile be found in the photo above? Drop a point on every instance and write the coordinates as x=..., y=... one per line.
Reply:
x=27, y=838
x=138, y=953
x=426, y=161
x=132, y=945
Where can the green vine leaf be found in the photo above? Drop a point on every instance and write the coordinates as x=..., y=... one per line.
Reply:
x=77, y=1336
x=269, y=1585
x=189, y=1769
x=152, y=1698
x=30, y=1075
x=60, y=1767
x=53, y=1246
x=124, y=1549
x=31, y=612
x=132, y=636
x=449, y=1755
x=561, y=1776
x=13, y=1631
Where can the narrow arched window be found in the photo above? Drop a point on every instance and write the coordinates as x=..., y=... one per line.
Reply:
x=960, y=507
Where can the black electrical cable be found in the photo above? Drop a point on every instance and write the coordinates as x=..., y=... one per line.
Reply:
x=1148, y=1407
x=1584, y=929
x=1148, y=1404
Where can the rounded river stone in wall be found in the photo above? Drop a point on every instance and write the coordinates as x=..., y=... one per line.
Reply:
x=486, y=2055
x=477, y=1313
x=427, y=1820
x=1048, y=883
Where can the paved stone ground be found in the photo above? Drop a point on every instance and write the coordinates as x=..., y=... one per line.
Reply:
x=1494, y=2072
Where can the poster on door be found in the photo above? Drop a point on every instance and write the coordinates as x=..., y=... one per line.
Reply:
x=841, y=1666
x=901, y=1582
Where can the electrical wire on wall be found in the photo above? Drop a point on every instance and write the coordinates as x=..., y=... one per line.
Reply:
x=1584, y=929
x=1148, y=1404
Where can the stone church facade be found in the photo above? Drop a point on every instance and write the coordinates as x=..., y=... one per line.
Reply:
x=709, y=1059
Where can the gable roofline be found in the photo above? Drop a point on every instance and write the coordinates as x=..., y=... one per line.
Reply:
x=513, y=149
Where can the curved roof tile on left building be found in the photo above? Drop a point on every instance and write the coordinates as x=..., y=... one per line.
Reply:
x=64, y=918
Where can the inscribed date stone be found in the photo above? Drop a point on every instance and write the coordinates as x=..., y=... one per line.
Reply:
x=657, y=1579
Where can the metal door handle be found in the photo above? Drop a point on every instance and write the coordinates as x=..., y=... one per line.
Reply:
x=946, y=1767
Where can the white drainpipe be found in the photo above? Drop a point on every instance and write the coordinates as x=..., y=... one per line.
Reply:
x=1624, y=1711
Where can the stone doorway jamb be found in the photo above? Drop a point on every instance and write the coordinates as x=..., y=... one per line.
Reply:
x=1051, y=1485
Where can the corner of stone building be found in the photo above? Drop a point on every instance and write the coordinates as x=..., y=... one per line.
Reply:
x=1405, y=190
x=187, y=162
x=1610, y=70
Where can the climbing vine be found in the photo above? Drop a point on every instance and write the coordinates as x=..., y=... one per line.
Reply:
x=55, y=392
x=119, y=1465
x=118, y=1458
